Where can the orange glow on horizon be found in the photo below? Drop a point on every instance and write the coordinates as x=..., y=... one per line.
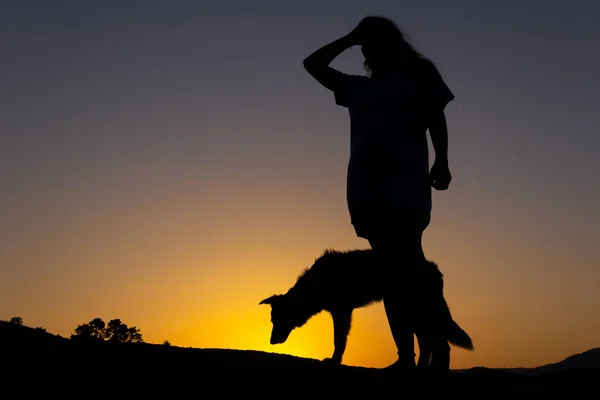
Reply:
x=198, y=283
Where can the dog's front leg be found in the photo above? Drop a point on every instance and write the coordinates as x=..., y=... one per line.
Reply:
x=342, y=320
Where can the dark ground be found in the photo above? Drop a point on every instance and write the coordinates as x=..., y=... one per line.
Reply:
x=36, y=361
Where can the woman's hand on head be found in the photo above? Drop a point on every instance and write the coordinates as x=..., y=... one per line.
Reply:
x=358, y=35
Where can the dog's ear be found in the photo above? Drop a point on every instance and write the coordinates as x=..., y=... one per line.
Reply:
x=269, y=300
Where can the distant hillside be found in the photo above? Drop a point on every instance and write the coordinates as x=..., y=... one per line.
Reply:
x=37, y=355
x=14, y=336
x=20, y=336
x=587, y=360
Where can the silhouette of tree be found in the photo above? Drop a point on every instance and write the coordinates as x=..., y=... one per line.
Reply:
x=93, y=329
x=120, y=332
x=166, y=343
x=16, y=320
x=115, y=331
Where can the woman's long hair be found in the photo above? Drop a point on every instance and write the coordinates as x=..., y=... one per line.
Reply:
x=386, y=48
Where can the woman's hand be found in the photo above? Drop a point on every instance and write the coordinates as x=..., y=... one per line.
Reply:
x=358, y=35
x=440, y=176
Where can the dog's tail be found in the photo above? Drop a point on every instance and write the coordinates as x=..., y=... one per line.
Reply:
x=458, y=337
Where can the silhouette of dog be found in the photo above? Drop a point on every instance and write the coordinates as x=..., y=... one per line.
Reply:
x=340, y=281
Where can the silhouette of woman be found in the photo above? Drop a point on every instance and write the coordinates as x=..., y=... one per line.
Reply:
x=389, y=181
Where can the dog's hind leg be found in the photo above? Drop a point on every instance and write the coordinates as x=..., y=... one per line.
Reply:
x=342, y=320
x=438, y=341
x=440, y=358
x=425, y=349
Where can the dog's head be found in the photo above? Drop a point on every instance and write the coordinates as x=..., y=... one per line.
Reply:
x=285, y=316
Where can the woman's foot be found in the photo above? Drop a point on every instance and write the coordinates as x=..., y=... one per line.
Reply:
x=401, y=365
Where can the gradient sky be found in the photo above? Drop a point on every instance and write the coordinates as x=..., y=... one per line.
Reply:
x=170, y=163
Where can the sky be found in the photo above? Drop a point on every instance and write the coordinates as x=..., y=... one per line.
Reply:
x=171, y=164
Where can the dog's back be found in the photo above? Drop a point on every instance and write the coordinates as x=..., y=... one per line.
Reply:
x=342, y=279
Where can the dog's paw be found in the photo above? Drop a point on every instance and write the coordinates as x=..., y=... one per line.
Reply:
x=331, y=361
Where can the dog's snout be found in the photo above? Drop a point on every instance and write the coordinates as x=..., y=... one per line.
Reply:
x=277, y=339
x=279, y=336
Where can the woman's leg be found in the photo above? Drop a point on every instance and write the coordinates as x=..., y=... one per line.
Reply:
x=400, y=251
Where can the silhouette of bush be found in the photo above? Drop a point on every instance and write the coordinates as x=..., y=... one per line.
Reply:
x=16, y=320
x=166, y=343
x=114, y=331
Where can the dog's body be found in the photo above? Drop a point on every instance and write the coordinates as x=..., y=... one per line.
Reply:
x=339, y=282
